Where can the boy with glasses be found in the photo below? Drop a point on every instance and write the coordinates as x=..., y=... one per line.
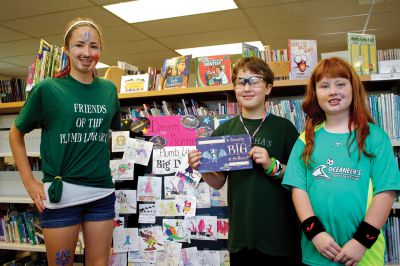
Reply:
x=262, y=220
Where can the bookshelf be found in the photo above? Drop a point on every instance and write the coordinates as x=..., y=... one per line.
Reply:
x=32, y=248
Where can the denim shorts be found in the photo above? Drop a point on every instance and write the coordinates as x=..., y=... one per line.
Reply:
x=98, y=210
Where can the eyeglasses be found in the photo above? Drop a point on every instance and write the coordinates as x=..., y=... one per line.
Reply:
x=254, y=82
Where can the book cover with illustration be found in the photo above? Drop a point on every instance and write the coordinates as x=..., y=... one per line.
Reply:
x=303, y=57
x=224, y=153
x=250, y=50
x=213, y=70
x=134, y=83
x=362, y=52
x=175, y=72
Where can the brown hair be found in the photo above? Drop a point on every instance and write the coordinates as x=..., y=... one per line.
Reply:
x=254, y=65
x=359, y=114
x=79, y=22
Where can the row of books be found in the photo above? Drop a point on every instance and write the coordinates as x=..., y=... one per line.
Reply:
x=12, y=90
x=21, y=228
x=385, y=109
x=392, y=236
x=389, y=54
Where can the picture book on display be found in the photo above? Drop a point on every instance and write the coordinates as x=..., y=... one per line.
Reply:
x=213, y=70
x=303, y=58
x=134, y=83
x=362, y=52
x=175, y=72
x=250, y=50
x=224, y=153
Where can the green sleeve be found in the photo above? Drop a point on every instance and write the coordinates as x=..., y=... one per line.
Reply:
x=296, y=171
x=31, y=114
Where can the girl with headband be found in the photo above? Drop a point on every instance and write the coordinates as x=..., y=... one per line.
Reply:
x=75, y=111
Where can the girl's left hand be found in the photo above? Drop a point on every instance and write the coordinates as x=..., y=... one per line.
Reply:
x=351, y=253
x=260, y=156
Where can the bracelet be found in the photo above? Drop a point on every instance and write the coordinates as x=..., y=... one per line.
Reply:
x=366, y=234
x=312, y=227
x=278, y=169
x=271, y=167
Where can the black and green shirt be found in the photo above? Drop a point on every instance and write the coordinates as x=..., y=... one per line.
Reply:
x=75, y=119
x=261, y=212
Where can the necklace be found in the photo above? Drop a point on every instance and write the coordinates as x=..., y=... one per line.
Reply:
x=255, y=132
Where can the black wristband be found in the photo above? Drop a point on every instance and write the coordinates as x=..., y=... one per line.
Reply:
x=312, y=227
x=366, y=234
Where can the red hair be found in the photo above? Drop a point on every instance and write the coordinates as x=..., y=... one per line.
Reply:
x=359, y=114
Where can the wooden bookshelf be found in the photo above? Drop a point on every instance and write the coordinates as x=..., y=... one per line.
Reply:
x=10, y=108
x=16, y=199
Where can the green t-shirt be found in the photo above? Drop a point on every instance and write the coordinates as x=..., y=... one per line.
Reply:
x=261, y=212
x=341, y=187
x=75, y=119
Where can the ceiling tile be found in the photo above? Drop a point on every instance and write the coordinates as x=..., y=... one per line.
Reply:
x=7, y=35
x=20, y=72
x=134, y=47
x=123, y=33
x=304, y=11
x=17, y=48
x=21, y=8
x=258, y=3
x=109, y=2
x=21, y=61
x=210, y=38
x=56, y=23
x=5, y=65
x=215, y=21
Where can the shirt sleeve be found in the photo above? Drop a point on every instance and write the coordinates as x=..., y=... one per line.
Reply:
x=296, y=171
x=384, y=169
x=291, y=136
x=31, y=114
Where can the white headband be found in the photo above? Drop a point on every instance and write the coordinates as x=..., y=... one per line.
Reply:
x=77, y=23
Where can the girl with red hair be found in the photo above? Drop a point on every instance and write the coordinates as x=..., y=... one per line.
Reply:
x=342, y=172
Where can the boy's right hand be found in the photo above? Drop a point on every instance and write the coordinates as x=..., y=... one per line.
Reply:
x=194, y=157
x=326, y=245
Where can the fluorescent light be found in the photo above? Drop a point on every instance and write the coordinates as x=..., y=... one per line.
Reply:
x=147, y=10
x=231, y=48
x=101, y=65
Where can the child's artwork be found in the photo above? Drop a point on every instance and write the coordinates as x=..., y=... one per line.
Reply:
x=219, y=197
x=150, y=239
x=138, y=150
x=222, y=228
x=188, y=174
x=224, y=258
x=225, y=153
x=170, y=255
x=134, y=83
x=122, y=169
x=169, y=160
x=208, y=257
x=125, y=201
x=175, y=72
x=168, y=208
x=125, y=239
x=201, y=227
x=147, y=213
x=119, y=221
x=118, y=140
x=174, y=230
x=174, y=186
x=149, y=188
x=118, y=259
x=188, y=257
x=188, y=203
x=174, y=130
x=203, y=195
